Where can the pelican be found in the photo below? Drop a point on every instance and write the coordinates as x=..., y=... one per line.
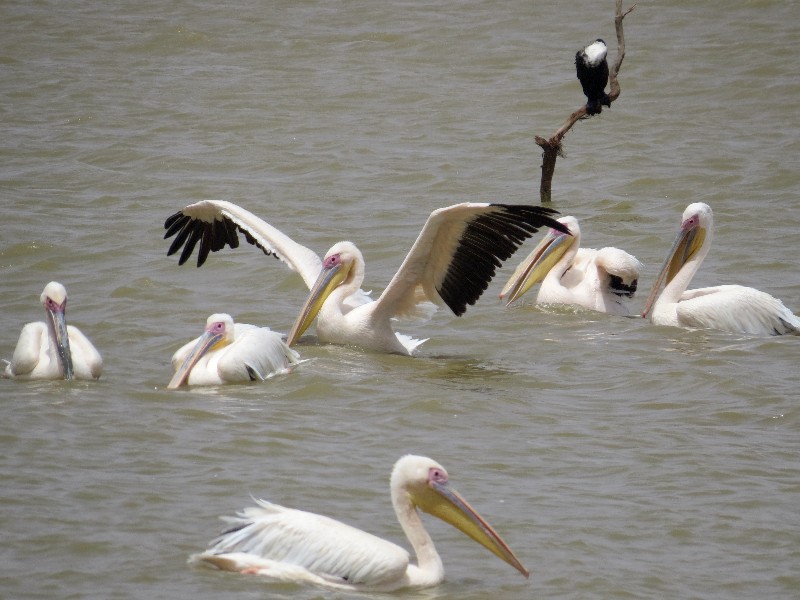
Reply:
x=599, y=280
x=732, y=308
x=285, y=544
x=53, y=349
x=451, y=263
x=228, y=352
x=592, y=71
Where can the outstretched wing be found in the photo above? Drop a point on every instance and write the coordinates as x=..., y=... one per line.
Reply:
x=457, y=252
x=216, y=223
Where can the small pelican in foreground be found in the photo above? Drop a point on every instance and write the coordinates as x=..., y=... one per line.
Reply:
x=53, y=349
x=285, y=544
x=599, y=280
x=733, y=308
x=228, y=353
x=451, y=263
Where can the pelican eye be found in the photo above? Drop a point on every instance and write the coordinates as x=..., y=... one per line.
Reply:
x=436, y=475
x=332, y=261
x=218, y=327
x=52, y=304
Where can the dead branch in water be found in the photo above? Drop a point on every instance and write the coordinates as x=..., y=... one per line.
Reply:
x=551, y=148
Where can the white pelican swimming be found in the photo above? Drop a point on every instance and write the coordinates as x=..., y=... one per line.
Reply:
x=53, y=349
x=285, y=544
x=733, y=308
x=228, y=352
x=451, y=263
x=600, y=280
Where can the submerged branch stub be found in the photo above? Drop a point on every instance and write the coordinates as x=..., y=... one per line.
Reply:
x=551, y=147
x=550, y=151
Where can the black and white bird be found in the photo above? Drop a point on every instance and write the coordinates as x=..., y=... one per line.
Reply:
x=592, y=70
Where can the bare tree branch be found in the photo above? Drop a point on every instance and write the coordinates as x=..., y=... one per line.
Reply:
x=551, y=147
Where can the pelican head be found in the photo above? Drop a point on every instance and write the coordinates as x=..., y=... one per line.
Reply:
x=544, y=256
x=696, y=226
x=54, y=300
x=424, y=483
x=622, y=270
x=218, y=333
x=342, y=264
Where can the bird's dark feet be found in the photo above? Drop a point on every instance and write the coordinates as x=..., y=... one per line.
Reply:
x=593, y=108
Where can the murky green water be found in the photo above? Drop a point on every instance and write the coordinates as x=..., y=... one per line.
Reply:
x=618, y=459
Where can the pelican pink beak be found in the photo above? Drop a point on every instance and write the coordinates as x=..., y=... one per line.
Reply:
x=537, y=264
x=212, y=336
x=334, y=272
x=438, y=499
x=687, y=242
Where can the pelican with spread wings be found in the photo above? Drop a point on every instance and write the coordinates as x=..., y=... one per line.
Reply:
x=450, y=264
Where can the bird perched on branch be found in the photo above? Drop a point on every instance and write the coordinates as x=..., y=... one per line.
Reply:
x=592, y=70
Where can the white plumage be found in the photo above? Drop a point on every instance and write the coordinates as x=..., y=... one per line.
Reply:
x=733, y=308
x=450, y=264
x=52, y=349
x=600, y=280
x=274, y=538
x=229, y=352
x=284, y=544
x=596, y=52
